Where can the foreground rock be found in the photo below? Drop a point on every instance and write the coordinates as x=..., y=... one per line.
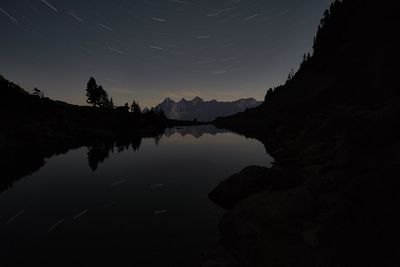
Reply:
x=336, y=125
x=249, y=181
x=268, y=228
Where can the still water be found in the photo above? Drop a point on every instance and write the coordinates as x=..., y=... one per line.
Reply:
x=142, y=206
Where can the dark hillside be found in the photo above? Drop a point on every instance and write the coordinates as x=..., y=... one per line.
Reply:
x=33, y=128
x=334, y=129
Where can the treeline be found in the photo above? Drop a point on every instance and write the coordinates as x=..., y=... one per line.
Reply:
x=41, y=116
x=322, y=40
x=98, y=97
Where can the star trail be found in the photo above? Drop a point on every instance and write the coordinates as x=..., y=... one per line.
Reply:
x=225, y=50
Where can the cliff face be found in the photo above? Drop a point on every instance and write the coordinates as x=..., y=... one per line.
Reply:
x=333, y=129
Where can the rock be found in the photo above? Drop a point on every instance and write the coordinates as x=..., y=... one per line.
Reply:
x=267, y=228
x=249, y=181
x=311, y=237
x=219, y=258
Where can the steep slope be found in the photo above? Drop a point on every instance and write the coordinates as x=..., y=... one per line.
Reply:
x=202, y=110
x=333, y=129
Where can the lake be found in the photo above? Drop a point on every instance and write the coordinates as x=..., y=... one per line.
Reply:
x=142, y=204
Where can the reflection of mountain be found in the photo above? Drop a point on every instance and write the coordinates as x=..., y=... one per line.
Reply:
x=27, y=162
x=196, y=131
x=204, y=110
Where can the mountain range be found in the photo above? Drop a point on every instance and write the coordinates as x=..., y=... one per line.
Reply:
x=202, y=110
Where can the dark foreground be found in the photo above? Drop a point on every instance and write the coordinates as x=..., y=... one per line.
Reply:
x=332, y=197
x=127, y=204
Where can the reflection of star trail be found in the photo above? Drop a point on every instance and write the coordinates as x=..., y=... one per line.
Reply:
x=80, y=214
x=14, y=217
x=54, y=226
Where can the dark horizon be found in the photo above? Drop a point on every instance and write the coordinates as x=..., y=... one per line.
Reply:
x=150, y=50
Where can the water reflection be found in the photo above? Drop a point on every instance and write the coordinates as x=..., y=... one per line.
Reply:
x=19, y=164
x=196, y=131
x=140, y=207
x=98, y=153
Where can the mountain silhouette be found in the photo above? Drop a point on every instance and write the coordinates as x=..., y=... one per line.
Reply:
x=202, y=110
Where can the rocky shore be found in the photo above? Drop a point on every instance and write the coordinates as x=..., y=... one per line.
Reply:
x=331, y=198
x=327, y=205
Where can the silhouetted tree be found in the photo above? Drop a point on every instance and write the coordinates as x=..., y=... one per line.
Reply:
x=37, y=92
x=328, y=28
x=151, y=111
x=105, y=102
x=111, y=103
x=135, y=143
x=306, y=59
x=92, y=92
x=290, y=76
x=103, y=96
x=135, y=108
x=98, y=153
x=97, y=96
x=124, y=108
x=325, y=18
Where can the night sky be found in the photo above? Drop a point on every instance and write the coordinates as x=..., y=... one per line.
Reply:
x=151, y=49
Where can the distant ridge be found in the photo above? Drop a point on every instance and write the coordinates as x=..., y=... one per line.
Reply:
x=202, y=110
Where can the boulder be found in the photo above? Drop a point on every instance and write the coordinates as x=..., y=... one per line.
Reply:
x=268, y=228
x=249, y=181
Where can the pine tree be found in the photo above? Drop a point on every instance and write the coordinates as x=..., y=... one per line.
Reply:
x=135, y=108
x=97, y=96
x=290, y=76
x=92, y=92
x=37, y=92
